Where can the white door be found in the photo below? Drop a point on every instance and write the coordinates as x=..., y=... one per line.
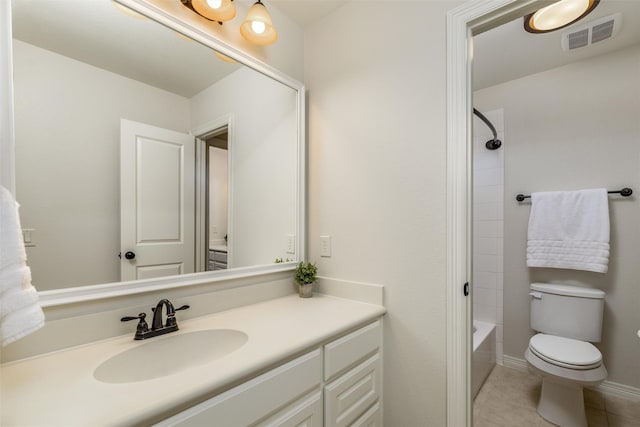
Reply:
x=157, y=214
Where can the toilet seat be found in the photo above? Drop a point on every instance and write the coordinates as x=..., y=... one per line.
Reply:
x=565, y=352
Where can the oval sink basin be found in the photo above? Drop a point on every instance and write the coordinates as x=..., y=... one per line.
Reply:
x=168, y=355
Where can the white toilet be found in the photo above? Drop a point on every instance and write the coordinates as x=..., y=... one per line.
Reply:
x=568, y=319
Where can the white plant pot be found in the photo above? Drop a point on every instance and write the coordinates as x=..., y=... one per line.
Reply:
x=306, y=290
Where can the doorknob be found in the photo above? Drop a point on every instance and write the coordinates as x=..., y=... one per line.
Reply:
x=129, y=255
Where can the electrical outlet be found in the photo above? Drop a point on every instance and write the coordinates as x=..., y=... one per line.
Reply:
x=325, y=246
x=291, y=243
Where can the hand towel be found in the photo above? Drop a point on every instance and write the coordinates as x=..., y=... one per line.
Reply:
x=20, y=313
x=569, y=229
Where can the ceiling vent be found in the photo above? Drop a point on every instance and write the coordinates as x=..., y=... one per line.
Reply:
x=591, y=32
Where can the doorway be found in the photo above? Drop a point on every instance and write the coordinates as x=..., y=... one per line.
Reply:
x=217, y=204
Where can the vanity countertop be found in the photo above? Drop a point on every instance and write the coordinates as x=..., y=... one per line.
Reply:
x=59, y=388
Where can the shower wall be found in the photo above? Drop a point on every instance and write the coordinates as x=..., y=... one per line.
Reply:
x=571, y=128
x=488, y=221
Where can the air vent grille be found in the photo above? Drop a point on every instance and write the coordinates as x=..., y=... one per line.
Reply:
x=602, y=31
x=592, y=32
x=578, y=39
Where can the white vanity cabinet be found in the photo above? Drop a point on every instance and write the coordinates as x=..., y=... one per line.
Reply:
x=297, y=381
x=338, y=384
x=217, y=258
x=353, y=378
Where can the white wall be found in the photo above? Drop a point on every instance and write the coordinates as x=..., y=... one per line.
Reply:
x=218, y=195
x=376, y=79
x=488, y=224
x=570, y=128
x=263, y=161
x=67, y=117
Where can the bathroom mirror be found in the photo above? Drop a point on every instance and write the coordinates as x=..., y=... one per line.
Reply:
x=80, y=68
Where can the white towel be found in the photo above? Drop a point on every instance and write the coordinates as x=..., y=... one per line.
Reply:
x=20, y=313
x=569, y=229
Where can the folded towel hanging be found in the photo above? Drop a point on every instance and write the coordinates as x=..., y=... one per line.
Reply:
x=20, y=313
x=569, y=229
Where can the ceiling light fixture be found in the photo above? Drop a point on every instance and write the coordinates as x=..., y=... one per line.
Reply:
x=558, y=15
x=257, y=28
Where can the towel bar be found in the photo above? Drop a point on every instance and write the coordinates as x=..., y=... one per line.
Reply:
x=625, y=192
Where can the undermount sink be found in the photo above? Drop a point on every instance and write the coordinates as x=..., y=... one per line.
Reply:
x=169, y=355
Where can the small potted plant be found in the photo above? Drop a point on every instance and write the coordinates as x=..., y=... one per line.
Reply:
x=305, y=277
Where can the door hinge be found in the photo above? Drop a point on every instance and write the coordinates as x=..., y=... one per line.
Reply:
x=465, y=289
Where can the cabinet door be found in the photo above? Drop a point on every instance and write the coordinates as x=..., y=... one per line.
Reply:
x=307, y=412
x=256, y=399
x=350, y=395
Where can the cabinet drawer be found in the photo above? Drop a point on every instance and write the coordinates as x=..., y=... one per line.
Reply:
x=348, y=397
x=371, y=418
x=256, y=399
x=306, y=412
x=350, y=349
x=220, y=256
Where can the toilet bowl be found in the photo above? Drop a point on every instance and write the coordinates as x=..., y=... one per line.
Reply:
x=567, y=318
x=566, y=366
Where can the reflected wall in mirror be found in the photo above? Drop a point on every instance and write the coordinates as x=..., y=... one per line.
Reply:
x=79, y=68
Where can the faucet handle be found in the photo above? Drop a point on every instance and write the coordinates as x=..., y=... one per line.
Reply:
x=142, y=324
x=171, y=318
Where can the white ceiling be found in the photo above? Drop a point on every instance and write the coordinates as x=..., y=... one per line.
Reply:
x=97, y=33
x=508, y=52
x=306, y=12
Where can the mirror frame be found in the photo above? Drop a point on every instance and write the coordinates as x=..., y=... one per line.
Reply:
x=81, y=294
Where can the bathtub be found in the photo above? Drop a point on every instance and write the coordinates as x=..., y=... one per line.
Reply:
x=484, y=353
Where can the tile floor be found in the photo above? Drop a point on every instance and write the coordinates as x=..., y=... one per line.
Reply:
x=509, y=398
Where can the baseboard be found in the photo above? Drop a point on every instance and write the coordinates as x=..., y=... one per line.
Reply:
x=363, y=292
x=606, y=387
x=514, y=363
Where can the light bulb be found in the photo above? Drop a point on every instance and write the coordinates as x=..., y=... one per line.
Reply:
x=214, y=4
x=258, y=27
x=558, y=15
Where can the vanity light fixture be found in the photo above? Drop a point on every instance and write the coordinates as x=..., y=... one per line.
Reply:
x=558, y=15
x=214, y=10
x=257, y=27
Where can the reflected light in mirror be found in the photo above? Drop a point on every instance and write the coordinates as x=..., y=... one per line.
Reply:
x=127, y=11
x=224, y=58
x=258, y=28
x=558, y=15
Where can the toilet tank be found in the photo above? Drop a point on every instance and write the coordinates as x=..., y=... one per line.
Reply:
x=567, y=311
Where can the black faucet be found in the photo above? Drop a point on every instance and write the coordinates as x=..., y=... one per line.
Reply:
x=157, y=328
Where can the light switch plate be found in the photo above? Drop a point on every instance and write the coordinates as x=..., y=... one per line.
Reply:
x=325, y=246
x=291, y=243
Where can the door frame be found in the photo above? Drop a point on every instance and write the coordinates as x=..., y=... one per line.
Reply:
x=463, y=22
x=201, y=133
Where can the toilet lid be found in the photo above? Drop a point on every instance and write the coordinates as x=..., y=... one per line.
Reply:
x=565, y=352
